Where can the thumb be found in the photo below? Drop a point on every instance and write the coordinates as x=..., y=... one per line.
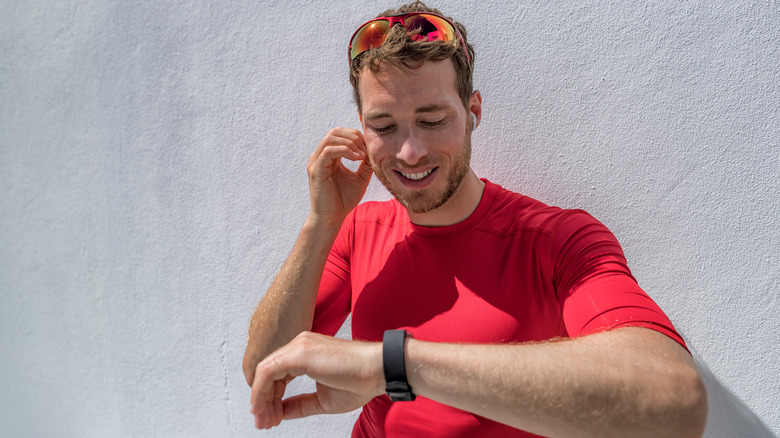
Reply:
x=365, y=171
x=302, y=405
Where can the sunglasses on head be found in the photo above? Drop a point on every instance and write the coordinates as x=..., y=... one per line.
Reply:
x=420, y=26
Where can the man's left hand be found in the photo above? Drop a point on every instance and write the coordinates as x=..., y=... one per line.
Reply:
x=348, y=375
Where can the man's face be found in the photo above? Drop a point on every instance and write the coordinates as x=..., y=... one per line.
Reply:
x=415, y=129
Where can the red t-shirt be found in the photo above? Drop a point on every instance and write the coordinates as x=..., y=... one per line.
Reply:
x=516, y=270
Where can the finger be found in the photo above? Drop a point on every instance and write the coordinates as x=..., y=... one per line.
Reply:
x=302, y=405
x=264, y=418
x=277, y=405
x=264, y=388
x=270, y=413
x=360, y=141
x=328, y=160
x=365, y=171
x=260, y=391
x=341, y=151
x=351, y=138
x=353, y=135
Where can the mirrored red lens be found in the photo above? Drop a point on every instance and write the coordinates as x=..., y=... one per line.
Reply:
x=368, y=37
x=424, y=27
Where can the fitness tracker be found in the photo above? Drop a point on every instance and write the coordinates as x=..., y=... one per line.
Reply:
x=396, y=385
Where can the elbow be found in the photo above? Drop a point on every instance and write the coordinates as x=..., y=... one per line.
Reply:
x=698, y=407
x=253, y=355
x=249, y=369
x=688, y=409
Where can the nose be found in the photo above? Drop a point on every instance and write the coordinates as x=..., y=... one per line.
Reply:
x=412, y=148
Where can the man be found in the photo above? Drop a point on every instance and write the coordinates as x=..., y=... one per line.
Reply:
x=521, y=319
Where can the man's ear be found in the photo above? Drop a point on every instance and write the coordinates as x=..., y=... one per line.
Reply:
x=475, y=106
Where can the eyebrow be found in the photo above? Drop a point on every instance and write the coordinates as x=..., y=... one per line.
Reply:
x=374, y=116
x=422, y=109
x=430, y=108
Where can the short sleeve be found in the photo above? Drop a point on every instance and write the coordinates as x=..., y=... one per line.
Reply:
x=335, y=291
x=594, y=284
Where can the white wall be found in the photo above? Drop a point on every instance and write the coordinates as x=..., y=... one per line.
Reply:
x=152, y=181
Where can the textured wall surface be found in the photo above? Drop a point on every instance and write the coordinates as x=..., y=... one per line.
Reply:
x=152, y=181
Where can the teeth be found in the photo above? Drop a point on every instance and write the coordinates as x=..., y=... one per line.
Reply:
x=416, y=176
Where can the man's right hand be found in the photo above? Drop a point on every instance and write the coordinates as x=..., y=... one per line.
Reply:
x=334, y=189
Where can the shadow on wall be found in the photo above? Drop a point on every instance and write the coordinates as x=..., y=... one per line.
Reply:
x=728, y=416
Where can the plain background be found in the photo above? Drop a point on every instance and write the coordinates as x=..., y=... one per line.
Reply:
x=152, y=182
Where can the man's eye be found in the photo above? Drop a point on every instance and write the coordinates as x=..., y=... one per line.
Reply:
x=383, y=129
x=433, y=124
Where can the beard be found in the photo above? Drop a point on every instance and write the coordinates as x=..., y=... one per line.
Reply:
x=423, y=201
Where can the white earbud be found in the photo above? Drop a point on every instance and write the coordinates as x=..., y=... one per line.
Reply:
x=473, y=121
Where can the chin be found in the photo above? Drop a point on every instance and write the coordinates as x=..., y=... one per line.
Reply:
x=430, y=198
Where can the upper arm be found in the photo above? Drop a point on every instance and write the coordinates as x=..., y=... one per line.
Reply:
x=594, y=284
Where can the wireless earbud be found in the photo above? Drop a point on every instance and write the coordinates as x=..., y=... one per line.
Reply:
x=473, y=121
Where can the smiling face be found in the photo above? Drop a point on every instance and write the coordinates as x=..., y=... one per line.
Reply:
x=418, y=133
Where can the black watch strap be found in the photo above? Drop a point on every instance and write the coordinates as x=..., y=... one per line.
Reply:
x=396, y=385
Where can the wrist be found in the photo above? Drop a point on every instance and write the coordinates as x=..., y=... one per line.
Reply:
x=322, y=226
x=377, y=369
x=394, y=365
x=322, y=229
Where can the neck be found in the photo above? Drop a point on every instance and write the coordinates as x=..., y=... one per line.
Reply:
x=459, y=207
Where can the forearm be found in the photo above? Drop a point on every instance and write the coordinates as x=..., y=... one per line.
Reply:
x=287, y=308
x=629, y=382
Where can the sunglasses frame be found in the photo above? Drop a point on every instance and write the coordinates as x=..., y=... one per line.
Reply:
x=400, y=19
